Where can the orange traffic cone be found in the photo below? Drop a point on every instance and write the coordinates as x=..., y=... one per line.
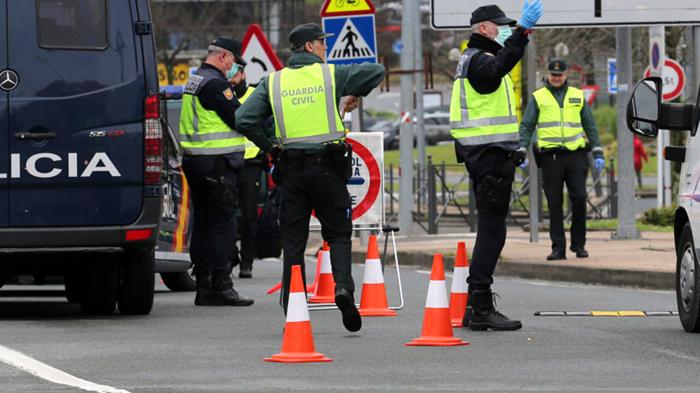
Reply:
x=437, y=330
x=311, y=289
x=373, y=302
x=325, y=285
x=458, y=294
x=298, y=341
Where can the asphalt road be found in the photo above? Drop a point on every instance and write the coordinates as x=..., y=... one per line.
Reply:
x=183, y=348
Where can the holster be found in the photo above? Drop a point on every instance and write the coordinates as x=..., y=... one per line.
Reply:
x=340, y=155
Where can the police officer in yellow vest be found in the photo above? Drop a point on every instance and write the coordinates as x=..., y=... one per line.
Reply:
x=485, y=128
x=314, y=162
x=563, y=122
x=248, y=190
x=212, y=161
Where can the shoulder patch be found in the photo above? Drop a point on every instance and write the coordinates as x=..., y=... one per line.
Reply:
x=228, y=94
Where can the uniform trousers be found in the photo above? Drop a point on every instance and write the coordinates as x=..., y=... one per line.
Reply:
x=309, y=183
x=212, y=182
x=492, y=173
x=571, y=168
x=248, y=194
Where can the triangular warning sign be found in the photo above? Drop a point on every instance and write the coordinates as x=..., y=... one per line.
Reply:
x=350, y=44
x=347, y=7
x=259, y=54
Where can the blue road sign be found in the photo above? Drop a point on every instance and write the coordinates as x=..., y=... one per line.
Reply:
x=354, y=39
x=612, y=76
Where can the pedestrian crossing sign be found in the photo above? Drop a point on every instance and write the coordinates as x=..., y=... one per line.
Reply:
x=354, y=39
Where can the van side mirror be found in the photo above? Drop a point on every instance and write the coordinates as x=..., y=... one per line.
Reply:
x=644, y=106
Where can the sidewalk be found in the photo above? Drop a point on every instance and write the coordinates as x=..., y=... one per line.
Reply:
x=649, y=262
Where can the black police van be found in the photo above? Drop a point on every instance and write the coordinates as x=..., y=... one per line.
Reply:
x=81, y=149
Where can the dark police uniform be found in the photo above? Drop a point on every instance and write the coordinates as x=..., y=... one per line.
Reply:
x=213, y=158
x=562, y=115
x=310, y=164
x=489, y=156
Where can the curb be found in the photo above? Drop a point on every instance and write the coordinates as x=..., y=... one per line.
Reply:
x=539, y=271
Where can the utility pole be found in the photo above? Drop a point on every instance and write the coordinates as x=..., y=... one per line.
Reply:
x=531, y=69
x=420, y=126
x=626, y=226
x=406, y=130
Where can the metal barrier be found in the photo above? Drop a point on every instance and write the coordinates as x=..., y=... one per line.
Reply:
x=444, y=196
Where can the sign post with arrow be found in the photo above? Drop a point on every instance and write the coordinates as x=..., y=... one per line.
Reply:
x=259, y=54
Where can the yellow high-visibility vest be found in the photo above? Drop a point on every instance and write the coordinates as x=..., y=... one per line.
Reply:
x=477, y=119
x=202, y=132
x=557, y=126
x=303, y=104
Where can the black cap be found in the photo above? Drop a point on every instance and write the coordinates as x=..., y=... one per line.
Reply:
x=491, y=13
x=556, y=66
x=231, y=45
x=306, y=33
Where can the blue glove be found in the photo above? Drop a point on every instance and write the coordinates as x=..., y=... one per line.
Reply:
x=599, y=164
x=524, y=164
x=532, y=11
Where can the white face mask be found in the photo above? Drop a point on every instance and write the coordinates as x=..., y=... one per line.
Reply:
x=503, y=33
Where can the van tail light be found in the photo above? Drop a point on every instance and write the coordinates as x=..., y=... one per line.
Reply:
x=153, y=142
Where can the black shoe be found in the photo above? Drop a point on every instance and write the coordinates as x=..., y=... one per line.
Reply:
x=556, y=255
x=246, y=270
x=485, y=316
x=346, y=305
x=222, y=293
x=203, y=289
x=468, y=313
x=580, y=252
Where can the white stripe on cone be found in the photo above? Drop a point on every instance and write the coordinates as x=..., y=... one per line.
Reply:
x=373, y=272
x=326, y=262
x=437, y=295
x=459, y=279
x=296, y=309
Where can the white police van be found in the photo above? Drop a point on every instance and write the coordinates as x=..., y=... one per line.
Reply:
x=81, y=149
x=646, y=114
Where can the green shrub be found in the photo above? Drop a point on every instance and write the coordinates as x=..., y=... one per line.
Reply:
x=606, y=119
x=663, y=216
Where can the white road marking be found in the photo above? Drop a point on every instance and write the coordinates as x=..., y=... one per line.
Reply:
x=46, y=372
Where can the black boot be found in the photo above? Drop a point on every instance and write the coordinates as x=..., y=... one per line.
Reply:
x=469, y=312
x=222, y=292
x=203, y=289
x=346, y=304
x=246, y=270
x=485, y=316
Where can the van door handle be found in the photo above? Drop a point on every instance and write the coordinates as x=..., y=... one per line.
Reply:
x=35, y=135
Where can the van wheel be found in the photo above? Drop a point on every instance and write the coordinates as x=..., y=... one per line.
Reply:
x=138, y=281
x=688, y=282
x=99, y=283
x=179, y=281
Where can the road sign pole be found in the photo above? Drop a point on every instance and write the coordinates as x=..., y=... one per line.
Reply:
x=420, y=126
x=531, y=68
x=626, y=226
x=406, y=134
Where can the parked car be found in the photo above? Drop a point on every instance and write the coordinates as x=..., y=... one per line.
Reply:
x=437, y=127
x=646, y=114
x=81, y=162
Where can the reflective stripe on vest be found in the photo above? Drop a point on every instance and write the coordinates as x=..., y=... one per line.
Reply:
x=477, y=119
x=202, y=132
x=303, y=104
x=251, y=150
x=560, y=126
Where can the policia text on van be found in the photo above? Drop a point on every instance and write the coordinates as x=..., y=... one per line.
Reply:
x=81, y=161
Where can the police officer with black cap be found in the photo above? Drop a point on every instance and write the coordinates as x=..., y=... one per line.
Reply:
x=485, y=127
x=314, y=162
x=566, y=131
x=213, y=157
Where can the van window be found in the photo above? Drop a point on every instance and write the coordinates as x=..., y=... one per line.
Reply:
x=72, y=24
